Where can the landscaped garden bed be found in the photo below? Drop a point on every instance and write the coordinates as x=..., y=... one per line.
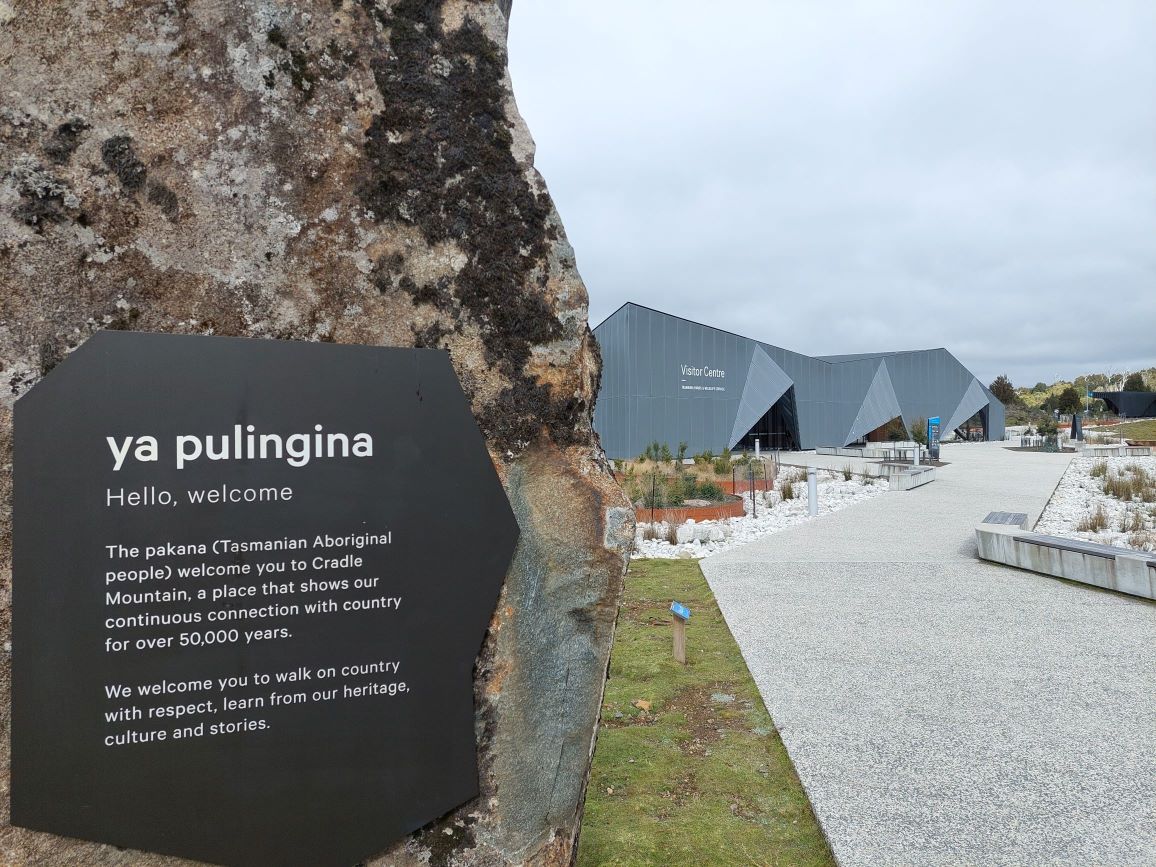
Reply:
x=1107, y=500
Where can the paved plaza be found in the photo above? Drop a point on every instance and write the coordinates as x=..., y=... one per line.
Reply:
x=944, y=710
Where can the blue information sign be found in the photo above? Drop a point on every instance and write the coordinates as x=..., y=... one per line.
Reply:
x=933, y=438
x=679, y=610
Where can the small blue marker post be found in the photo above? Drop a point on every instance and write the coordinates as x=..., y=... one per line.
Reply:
x=680, y=614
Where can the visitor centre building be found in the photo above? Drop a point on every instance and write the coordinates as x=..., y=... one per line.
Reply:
x=669, y=380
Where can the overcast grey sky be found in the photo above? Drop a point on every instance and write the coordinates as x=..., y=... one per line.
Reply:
x=854, y=176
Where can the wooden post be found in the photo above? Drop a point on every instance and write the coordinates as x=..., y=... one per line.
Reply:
x=679, y=614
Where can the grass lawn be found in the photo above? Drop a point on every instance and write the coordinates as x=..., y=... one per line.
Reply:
x=1138, y=430
x=689, y=768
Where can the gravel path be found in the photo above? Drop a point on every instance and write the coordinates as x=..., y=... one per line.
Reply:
x=942, y=710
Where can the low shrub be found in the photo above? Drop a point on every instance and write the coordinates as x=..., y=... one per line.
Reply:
x=656, y=493
x=847, y=472
x=672, y=533
x=722, y=465
x=708, y=490
x=787, y=489
x=1099, y=469
x=655, y=489
x=633, y=488
x=919, y=431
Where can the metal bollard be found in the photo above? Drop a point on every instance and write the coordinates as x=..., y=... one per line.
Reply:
x=812, y=491
x=915, y=452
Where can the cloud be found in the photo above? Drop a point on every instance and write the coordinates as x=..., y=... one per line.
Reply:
x=845, y=177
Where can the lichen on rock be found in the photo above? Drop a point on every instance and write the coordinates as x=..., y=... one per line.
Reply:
x=342, y=170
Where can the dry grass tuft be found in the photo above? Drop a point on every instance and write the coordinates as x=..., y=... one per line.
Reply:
x=1118, y=486
x=1131, y=483
x=1132, y=521
x=1145, y=540
x=1094, y=522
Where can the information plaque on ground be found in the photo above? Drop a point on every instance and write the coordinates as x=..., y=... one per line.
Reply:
x=251, y=580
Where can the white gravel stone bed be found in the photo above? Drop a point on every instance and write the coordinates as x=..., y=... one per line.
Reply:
x=700, y=539
x=1078, y=495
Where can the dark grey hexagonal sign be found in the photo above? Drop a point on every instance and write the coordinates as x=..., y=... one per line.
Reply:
x=251, y=581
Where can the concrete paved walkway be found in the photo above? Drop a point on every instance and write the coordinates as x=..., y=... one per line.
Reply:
x=942, y=710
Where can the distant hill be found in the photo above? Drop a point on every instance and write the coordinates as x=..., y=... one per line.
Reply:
x=1034, y=396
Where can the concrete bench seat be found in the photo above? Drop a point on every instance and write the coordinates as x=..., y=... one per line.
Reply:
x=1094, y=549
x=1105, y=566
x=902, y=477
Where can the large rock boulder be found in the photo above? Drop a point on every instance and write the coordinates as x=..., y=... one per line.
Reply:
x=341, y=171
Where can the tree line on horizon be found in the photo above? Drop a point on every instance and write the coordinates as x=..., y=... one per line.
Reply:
x=1023, y=404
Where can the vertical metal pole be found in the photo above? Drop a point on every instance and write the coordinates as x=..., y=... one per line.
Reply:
x=653, y=481
x=812, y=491
x=754, y=508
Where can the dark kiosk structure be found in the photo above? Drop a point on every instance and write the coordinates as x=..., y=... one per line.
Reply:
x=670, y=380
x=1130, y=404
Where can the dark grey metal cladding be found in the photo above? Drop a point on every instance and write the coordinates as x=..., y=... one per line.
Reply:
x=932, y=382
x=1133, y=404
x=830, y=397
x=972, y=402
x=670, y=380
x=996, y=416
x=765, y=384
x=880, y=405
x=929, y=383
